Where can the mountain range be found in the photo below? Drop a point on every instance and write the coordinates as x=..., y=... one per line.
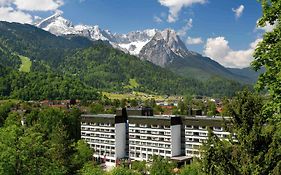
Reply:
x=163, y=48
x=36, y=64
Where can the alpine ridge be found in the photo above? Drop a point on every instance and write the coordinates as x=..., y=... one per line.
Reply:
x=161, y=47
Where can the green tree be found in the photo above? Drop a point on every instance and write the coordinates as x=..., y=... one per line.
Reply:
x=97, y=108
x=139, y=166
x=161, y=166
x=133, y=103
x=82, y=156
x=123, y=171
x=211, y=108
x=255, y=148
x=9, y=146
x=5, y=108
x=34, y=154
x=90, y=169
x=268, y=56
x=194, y=168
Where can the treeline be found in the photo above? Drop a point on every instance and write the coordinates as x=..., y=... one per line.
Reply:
x=106, y=68
x=41, y=86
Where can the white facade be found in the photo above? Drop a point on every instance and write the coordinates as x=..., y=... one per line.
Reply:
x=141, y=137
x=147, y=140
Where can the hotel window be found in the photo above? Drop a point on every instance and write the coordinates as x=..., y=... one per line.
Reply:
x=167, y=133
x=202, y=127
x=217, y=128
x=166, y=139
x=143, y=137
x=154, y=132
x=203, y=134
x=154, y=126
x=196, y=146
x=132, y=136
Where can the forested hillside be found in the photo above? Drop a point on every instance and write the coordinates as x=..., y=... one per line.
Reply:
x=75, y=67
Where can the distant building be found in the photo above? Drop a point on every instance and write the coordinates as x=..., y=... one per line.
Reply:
x=136, y=134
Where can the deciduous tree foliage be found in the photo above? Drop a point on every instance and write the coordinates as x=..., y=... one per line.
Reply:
x=255, y=147
x=47, y=144
x=268, y=55
x=161, y=166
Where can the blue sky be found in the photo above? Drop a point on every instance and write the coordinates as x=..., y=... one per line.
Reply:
x=206, y=26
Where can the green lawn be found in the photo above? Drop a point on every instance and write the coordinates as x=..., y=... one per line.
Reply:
x=138, y=95
x=25, y=64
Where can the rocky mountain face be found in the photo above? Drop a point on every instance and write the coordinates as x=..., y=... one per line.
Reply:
x=131, y=42
x=159, y=47
x=163, y=48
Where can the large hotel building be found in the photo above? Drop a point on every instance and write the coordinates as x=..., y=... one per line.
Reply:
x=137, y=134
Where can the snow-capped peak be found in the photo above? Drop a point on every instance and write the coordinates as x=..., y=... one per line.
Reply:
x=56, y=24
x=132, y=42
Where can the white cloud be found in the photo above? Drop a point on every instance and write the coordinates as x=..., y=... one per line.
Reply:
x=219, y=50
x=11, y=15
x=157, y=19
x=239, y=11
x=5, y=2
x=185, y=28
x=38, y=5
x=194, y=41
x=176, y=5
x=17, y=10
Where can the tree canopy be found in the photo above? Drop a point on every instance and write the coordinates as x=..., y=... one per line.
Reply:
x=268, y=55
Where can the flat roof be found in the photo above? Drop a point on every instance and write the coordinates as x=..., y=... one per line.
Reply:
x=99, y=115
x=181, y=158
x=165, y=117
